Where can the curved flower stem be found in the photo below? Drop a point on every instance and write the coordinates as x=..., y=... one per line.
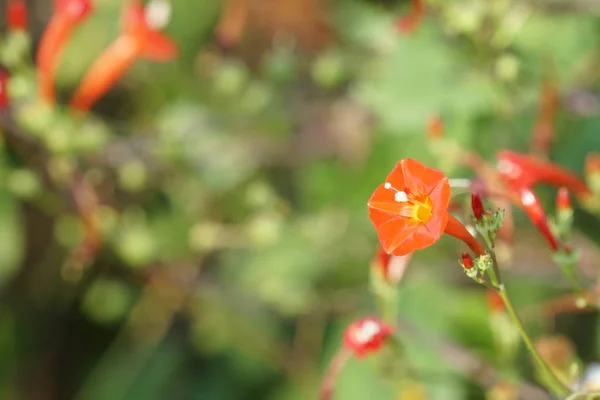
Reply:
x=335, y=368
x=556, y=385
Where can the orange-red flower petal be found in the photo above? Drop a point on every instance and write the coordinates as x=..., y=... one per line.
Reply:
x=417, y=218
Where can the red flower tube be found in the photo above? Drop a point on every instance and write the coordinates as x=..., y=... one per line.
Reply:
x=536, y=213
x=16, y=15
x=67, y=16
x=391, y=268
x=456, y=229
x=137, y=40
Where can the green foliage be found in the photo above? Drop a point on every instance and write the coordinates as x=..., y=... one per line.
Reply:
x=229, y=189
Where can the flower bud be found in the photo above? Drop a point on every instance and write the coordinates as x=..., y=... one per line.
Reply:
x=563, y=200
x=467, y=261
x=16, y=15
x=592, y=171
x=477, y=206
x=366, y=336
x=4, y=101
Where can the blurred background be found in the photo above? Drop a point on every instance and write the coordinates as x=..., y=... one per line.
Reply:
x=231, y=243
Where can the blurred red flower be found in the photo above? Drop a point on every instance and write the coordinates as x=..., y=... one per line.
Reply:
x=366, y=335
x=523, y=171
x=67, y=16
x=138, y=39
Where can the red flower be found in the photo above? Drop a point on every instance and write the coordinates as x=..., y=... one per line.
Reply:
x=383, y=260
x=16, y=15
x=409, y=210
x=67, y=16
x=563, y=199
x=366, y=336
x=4, y=100
x=522, y=171
x=138, y=39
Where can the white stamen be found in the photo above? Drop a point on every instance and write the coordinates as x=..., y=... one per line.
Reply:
x=528, y=198
x=367, y=331
x=158, y=14
x=401, y=197
x=509, y=168
x=387, y=185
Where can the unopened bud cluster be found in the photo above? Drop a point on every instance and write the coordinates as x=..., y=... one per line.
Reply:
x=474, y=268
x=490, y=223
x=487, y=223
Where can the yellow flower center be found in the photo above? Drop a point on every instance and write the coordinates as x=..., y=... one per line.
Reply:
x=422, y=208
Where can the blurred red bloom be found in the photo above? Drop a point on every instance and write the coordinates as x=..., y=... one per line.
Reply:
x=138, y=39
x=4, y=101
x=68, y=15
x=409, y=23
x=494, y=301
x=366, y=335
x=522, y=171
x=16, y=15
x=410, y=209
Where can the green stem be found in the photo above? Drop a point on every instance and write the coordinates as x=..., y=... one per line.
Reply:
x=553, y=381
